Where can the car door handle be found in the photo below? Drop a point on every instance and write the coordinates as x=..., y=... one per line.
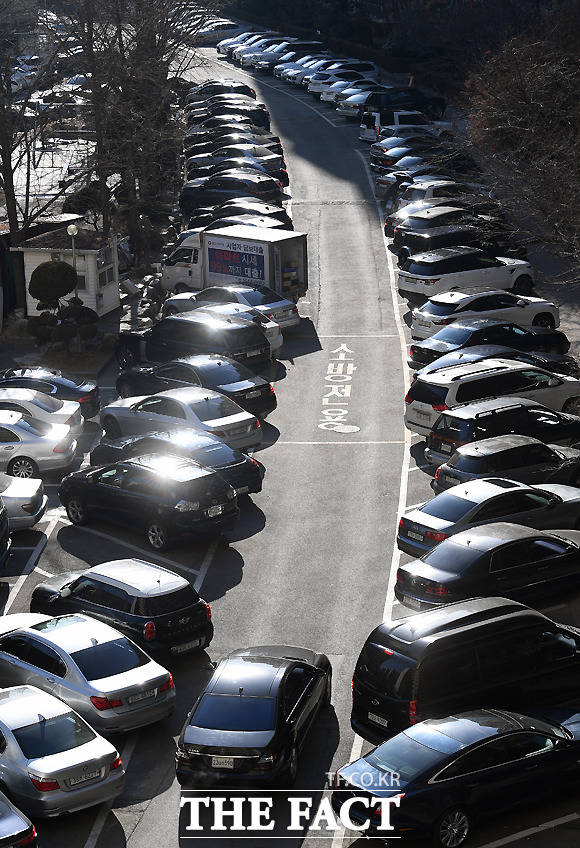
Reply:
x=9, y=448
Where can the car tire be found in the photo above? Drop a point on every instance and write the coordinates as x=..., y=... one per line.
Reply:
x=157, y=536
x=181, y=288
x=76, y=511
x=111, y=427
x=544, y=319
x=124, y=390
x=572, y=406
x=523, y=285
x=327, y=697
x=23, y=467
x=452, y=828
x=126, y=357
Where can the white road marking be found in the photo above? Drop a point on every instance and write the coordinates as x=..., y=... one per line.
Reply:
x=420, y=467
x=30, y=563
x=103, y=813
x=43, y=572
x=341, y=442
x=206, y=562
x=531, y=831
x=361, y=336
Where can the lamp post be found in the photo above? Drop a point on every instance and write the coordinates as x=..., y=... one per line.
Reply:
x=72, y=230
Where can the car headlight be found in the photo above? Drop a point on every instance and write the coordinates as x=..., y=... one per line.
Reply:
x=232, y=495
x=187, y=506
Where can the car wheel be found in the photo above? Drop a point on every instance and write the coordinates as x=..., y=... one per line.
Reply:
x=124, y=390
x=523, y=285
x=111, y=427
x=76, y=511
x=544, y=320
x=126, y=357
x=181, y=288
x=23, y=466
x=452, y=829
x=157, y=536
x=572, y=406
x=327, y=699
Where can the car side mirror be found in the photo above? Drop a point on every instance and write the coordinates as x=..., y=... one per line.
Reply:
x=64, y=593
x=552, y=503
x=521, y=303
x=553, y=381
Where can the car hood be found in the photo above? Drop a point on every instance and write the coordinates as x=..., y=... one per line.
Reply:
x=227, y=738
x=362, y=774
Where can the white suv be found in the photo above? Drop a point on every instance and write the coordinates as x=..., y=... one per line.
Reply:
x=443, y=309
x=425, y=274
x=433, y=393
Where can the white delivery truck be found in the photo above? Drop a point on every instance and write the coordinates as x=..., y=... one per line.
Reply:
x=257, y=256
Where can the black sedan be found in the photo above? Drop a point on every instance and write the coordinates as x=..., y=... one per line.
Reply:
x=222, y=86
x=224, y=130
x=167, y=496
x=486, y=331
x=237, y=166
x=450, y=770
x=554, y=362
x=212, y=144
x=239, y=206
x=500, y=559
x=54, y=383
x=252, y=718
x=220, y=187
x=242, y=472
x=231, y=378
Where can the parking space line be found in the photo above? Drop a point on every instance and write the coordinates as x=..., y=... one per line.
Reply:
x=206, y=562
x=30, y=564
x=337, y=442
x=531, y=831
x=43, y=572
x=103, y=813
x=419, y=467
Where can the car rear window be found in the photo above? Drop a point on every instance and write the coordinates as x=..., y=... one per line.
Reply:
x=109, y=658
x=222, y=373
x=448, y=507
x=404, y=757
x=261, y=297
x=214, y=455
x=235, y=712
x=53, y=736
x=427, y=393
x=434, y=308
x=451, y=557
x=167, y=603
x=457, y=429
x=218, y=407
x=453, y=335
x=470, y=464
x=387, y=670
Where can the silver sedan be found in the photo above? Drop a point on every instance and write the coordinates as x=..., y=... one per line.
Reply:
x=43, y=407
x=24, y=500
x=52, y=761
x=28, y=446
x=90, y=666
x=262, y=298
x=201, y=409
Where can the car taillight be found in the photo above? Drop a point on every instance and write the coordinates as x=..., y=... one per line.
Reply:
x=257, y=425
x=62, y=447
x=165, y=687
x=411, y=352
x=280, y=184
x=271, y=389
x=149, y=632
x=29, y=508
x=254, y=462
x=440, y=591
x=414, y=714
x=44, y=785
x=436, y=537
x=437, y=473
x=104, y=703
x=208, y=611
x=84, y=399
x=408, y=398
x=117, y=763
x=440, y=407
x=401, y=523
x=377, y=810
x=28, y=839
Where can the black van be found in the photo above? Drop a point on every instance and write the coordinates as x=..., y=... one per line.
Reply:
x=190, y=333
x=484, y=652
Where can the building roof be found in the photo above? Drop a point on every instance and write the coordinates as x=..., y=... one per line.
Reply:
x=85, y=240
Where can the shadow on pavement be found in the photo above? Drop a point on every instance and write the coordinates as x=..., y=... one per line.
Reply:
x=251, y=522
x=302, y=341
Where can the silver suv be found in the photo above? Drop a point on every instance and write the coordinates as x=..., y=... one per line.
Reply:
x=433, y=393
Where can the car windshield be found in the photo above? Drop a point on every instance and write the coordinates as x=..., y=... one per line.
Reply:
x=262, y=296
x=448, y=507
x=451, y=557
x=221, y=373
x=235, y=712
x=53, y=736
x=212, y=408
x=166, y=603
x=109, y=658
x=405, y=757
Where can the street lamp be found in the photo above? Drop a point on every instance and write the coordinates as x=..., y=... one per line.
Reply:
x=72, y=230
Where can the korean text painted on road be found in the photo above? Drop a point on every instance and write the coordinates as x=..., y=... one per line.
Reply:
x=337, y=392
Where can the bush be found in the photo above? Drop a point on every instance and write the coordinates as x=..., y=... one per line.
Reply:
x=87, y=331
x=52, y=280
x=48, y=319
x=63, y=333
x=87, y=316
x=70, y=312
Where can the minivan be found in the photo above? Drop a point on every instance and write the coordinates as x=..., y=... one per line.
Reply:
x=483, y=651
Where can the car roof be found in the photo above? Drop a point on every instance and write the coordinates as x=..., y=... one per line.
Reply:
x=178, y=469
x=10, y=418
x=453, y=733
x=74, y=632
x=474, y=369
x=458, y=296
x=435, y=212
x=24, y=705
x=183, y=435
x=190, y=394
x=479, y=491
x=490, y=536
x=412, y=634
x=199, y=360
x=444, y=253
x=496, y=444
x=257, y=676
x=479, y=407
x=142, y=579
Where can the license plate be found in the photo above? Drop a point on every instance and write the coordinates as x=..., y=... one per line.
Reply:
x=446, y=448
x=422, y=323
x=252, y=395
x=411, y=602
x=186, y=646
x=82, y=778
x=379, y=720
x=418, y=536
x=243, y=490
x=421, y=414
x=222, y=762
x=254, y=352
x=215, y=510
x=141, y=696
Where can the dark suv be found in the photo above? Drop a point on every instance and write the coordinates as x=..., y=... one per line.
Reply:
x=157, y=609
x=191, y=333
x=488, y=651
x=498, y=417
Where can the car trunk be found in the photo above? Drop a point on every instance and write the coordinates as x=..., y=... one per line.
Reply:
x=81, y=766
